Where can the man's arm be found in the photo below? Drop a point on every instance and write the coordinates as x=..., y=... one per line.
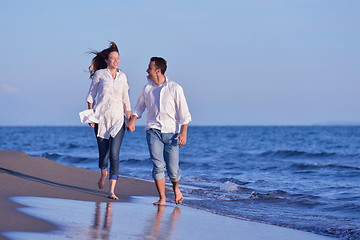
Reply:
x=138, y=111
x=182, y=135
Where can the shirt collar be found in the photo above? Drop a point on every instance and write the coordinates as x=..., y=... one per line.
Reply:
x=117, y=71
x=110, y=75
x=153, y=84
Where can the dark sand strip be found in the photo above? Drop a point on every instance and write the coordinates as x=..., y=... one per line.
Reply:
x=22, y=175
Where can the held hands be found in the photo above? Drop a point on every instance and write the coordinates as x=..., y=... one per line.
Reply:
x=131, y=124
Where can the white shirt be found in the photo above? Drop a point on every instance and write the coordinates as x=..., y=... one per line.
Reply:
x=166, y=106
x=110, y=95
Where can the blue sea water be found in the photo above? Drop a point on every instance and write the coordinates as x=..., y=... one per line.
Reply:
x=306, y=178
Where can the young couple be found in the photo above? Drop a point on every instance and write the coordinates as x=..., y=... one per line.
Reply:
x=167, y=119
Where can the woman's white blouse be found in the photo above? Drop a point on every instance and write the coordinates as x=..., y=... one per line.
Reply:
x=109, y=96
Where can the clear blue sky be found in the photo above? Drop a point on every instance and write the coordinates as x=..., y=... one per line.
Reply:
x=250, y=62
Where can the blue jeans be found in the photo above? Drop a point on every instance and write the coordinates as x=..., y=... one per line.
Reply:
x=164, y=153
x=110, y=148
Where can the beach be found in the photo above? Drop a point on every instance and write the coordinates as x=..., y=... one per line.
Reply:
x=36, y=194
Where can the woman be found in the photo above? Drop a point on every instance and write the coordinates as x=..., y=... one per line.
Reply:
x=110, y=89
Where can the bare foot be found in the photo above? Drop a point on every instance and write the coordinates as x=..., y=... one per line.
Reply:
x=161, y=202
x=113, y=196
x=178, y=196
x=102, y=179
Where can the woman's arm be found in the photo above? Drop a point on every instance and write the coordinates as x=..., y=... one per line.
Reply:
x=127, y=113
x=91, y=106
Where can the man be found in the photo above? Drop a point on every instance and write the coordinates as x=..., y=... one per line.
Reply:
x=167, y=112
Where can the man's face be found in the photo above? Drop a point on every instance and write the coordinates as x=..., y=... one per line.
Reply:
x=152, y=70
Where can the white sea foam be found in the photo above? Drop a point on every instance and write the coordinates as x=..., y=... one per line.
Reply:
x=229, y=187
x=224, y=198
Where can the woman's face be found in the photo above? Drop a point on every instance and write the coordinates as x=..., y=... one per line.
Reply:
x=113, y=60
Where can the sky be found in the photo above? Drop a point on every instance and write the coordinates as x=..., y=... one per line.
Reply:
x=240, y=62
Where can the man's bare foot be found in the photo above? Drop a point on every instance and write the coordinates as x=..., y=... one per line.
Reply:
x=113, y=196
x=178, y=196
x=102, y=179
x=161, y=202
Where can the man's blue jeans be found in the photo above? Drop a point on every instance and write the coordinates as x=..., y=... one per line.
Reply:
x=110, y=148
x=164, y=153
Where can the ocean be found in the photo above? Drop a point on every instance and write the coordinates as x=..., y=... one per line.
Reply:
x=300, y=177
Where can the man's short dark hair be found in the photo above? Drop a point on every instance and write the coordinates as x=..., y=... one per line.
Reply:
x=160, y=63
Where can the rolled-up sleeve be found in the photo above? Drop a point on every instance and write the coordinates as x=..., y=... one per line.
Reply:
x=93, y=89
x=182, y=114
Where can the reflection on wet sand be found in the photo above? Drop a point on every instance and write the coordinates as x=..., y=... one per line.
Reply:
x=160, y=229
x=98, y=232
x=139, y=219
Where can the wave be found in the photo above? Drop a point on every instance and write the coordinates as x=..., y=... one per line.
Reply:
x=351, y=233
x=77, y=159
x=71, y=160
x=231, y=192
x=73, y=146
x=303, y=166
x=283, y=154
x=233, y=180
x=135, y=162
x=348, y=207
x=51, y=156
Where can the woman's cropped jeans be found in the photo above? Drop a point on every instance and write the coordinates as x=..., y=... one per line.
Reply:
x=110, y=149
x=164, y=153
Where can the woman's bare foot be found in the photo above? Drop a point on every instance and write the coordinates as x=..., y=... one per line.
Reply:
x=112, y=189
x=102, y=178
x=161, y=202
x=113, y=196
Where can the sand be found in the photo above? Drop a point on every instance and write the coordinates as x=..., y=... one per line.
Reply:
x=42, y=199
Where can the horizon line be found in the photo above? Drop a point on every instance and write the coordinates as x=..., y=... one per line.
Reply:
x=217, y=125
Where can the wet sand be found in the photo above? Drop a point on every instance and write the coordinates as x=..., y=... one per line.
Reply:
x=42, y=199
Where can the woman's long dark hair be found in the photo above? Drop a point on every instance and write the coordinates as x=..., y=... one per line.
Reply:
x=98, y=62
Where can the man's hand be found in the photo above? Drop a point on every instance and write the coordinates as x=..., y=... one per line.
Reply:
x=182, y=138
x=183, y=135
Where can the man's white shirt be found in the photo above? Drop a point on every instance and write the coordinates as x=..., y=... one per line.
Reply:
x=167, y=109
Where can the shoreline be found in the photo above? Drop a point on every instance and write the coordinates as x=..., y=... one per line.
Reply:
x=23, y=175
